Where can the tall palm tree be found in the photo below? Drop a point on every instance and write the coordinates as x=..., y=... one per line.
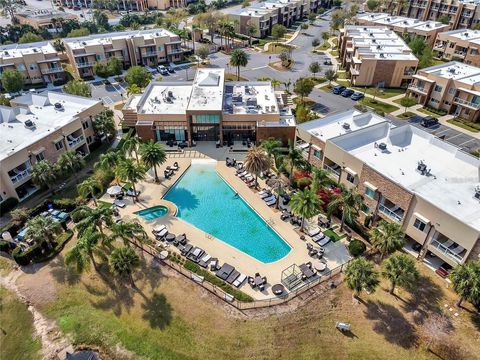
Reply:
x=86, y=218
x=238, y=58
x=348, y=202
x=270, y=145
x=153, y=154
x=294, y=156
x=123, y=262
x=466, y=281
x=360, y=275
x=128, y=171
x=256, y=162
x=131, y=146
x=44, y=174
x=321, y=179
x=108, y=160
x=127, y=232
x=84, y=251
x=387, y=237
x=90, y=186
x=70, y=163
x=305, y=204
x=400, y=270
x=42, y=230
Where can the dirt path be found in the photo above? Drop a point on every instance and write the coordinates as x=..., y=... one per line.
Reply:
x=52, y=340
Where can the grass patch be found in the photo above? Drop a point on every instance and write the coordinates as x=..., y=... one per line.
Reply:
x=119, y=106
x=334, y=41
x=17, y=340
x=406, y=115
x=275, y=48
x=317, y=80
x=382, y=93
x=473, y=127
x=342, y=75
x=334, y=53
x=233, y=77
x=343, y=82
x=333, y=235
x=306, y=101
x=378, y=105
x=432, y=112
x=325, y=46
x=326, y=88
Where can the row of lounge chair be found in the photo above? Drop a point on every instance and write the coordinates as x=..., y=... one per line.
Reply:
x=318, y=236
x=231, y=276
x=170, y=170
x=267, y=196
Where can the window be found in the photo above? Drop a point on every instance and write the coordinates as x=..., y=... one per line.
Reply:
x=350, y=178
x=59, y=145
x=40, y=156
x=365, y=209
x=419, y=224
x=160, y=48
x=369, y=192
x=474, y=51
x=206, y=119
x=452, y=91
x=33, y=66
x=89, y=139
x=317, y=154
x=437, y=88
x=85, y=125
x=21, y=67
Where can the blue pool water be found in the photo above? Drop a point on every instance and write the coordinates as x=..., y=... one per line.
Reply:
x=152, y=213
x=206, y=201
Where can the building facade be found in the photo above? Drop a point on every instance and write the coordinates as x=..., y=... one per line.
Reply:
x=44, y=18
x=463, y=45
x=406, y=176
x=453, y=87
x=41, y=127
x=376, y=56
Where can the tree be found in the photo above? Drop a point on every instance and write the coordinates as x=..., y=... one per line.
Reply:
x=153, y=154
x=127, y=231
x=302, y=114
x=466, y=281
x=87, y=218
x=278, y=31
x=9, y=8
x=348, y=202
x=372, y=4
x=400, y=270
x=426, y=59
x=123, y=261
x=245, y=3
x=257, y=161
x=238, y=58
x=321, y=179
x=338, y=18
x=131, y=145
x=203, y=51
x=29, y=37
x=312, y=16
x=84, y=251
x=408, y=101
x=270, y=145
x=315, y=42
x=104, y=123
x=44, y=174
x=58, y=45
x=314, y=68
x=12, y=80
x=444, y=19
x=108, y=160
x=70, y=163
x=325, y=36
x=303, y=87
x=275, y=83
x=101, y=19
x=294, y=156
x=101, y=69
x=139, y=76
x=251, y=31
x=417, y=45
x=19, y=215
x=90, y=186
x=360, y=275
x=330, y=75
x=133, y=89
x=78, y=32
x=387, y=237
x=78, y=87
x=43, y=230
x=306, y=204
x=128, y=171
x=114, y=66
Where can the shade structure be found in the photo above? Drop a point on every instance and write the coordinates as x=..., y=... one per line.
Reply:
x=114, y=190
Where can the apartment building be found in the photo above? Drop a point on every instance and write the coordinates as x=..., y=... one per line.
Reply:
x=376, y=56
x=38, y=62
x=453, y=87
x=462, y=14
x=402, y=25
x=44, y=18
x=463, y=45
x=210, y=109
x=406, y=176
x=38, y=127
x=140, y=47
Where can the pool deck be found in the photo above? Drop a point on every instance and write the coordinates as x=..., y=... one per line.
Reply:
x=151, y=194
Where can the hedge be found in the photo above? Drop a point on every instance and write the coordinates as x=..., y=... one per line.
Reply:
x=7, y=205
x=61, y=241
x=356, y=247
x=5, y=246
x=24, y=258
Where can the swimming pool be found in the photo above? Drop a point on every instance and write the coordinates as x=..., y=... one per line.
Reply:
x=153, y=212
x=206, y=201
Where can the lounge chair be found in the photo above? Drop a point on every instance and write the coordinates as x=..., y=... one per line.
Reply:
x=314, y=232
x=251, y=282
x=240, y=170
x=318, y=237
x=175, y=166
x=324, y=241
x=132, y=193
x=213, y=264
x=54, y=212
x=161, y=233
x=242, y=173
x=159, y=228
x=195, y=254
x=457, y=250
x=239, y=281
x=244, y=176
x=264, y=193
x=119, y=203
x=267, y=199
x=248, y=178
x=271, y=202
x=204, y=261
x=232, y=277
x=187, y=248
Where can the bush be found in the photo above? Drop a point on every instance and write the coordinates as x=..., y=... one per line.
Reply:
x=304, y=26
x=302, y=183
x=8, y=205
x=4, y=246
x=356, y=247
x=61, y=240
x=315, y=42
x=24, y=258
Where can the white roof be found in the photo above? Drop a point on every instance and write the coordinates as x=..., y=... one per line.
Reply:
x=165, y=98
x=14, y=136
x=13, y=51
x=401, y=21
x=453, y=174
x=455, y=70
x=464, y=34
x=250, y=98
x=207, y=90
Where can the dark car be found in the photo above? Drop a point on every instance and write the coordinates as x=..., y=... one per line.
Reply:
x=347, y=92
x=357, y=96
x=338, y=89
x=429, y=121
x=327, y=62
x=444, y=270
x=170, y=69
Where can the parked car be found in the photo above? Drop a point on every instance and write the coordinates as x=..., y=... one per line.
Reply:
x=337, y=89
x=429, y=121
x=204, y=41
x=170, y=69
x=327, y=62
x=357, y=96
x=347, y=92
x=444, y=270
x=162, y=70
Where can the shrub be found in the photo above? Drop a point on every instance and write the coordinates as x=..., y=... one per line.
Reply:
x=24, y=258
x=356, y=247
x=315, y=42
x=303, y=183
x=61, y=240
x=4, y=246
x=8, y=205
x=304, y=26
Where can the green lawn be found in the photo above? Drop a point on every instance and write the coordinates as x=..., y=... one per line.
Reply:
x=383, y=93
x=334, y=53
x=325, y=46
x=405, y=115
x=342, y=75
x=275, y=48
x=378, y=105
x=434, y=113
x=473, y=127
x=333, y=235
x=17, y=340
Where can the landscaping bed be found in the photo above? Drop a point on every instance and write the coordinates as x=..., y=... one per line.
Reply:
x=406, y=115
x=382, y=93
x=378, y=105
x=277, y=48
x=464, y=124
x=432, y=112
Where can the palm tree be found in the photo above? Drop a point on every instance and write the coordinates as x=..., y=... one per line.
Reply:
x=127, y=231
x=90, y=186
x=131, y=145
x=133, y=89
x=348, y=202
x=123, y=262
x=278, y=185
x=86, y=218
x=321, y=179
x=387, y=237
x=294, y=156
x=42, y=230
x=70, y=163
x=361, y=275
x=108, y=161
x=256, y=162
x=84, y=251
x=305, y=204
x=270, y=145
x=238, y=58
x=44, y=174
x=128, y=171
x=466, y=281
x=275, y=83
x=400, y=270
x=153, y=154
x=251, y=31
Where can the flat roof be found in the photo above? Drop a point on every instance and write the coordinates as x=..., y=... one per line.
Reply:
x=40, y=14
x=165, y=98
x=250, y=98
x=452, y=175
x=13, y=51
x=39, y=108
x=455, y=70
x=401, y=21
x=207, y=90
x=464, y=34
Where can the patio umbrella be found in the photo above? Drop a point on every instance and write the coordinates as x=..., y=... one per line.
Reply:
x=114, y=190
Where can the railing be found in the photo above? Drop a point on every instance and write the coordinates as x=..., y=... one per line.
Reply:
x=52, y=70
x=84, y=64
x=150, y=53
x=409, y=72
x=76, y=141
x=466, y=103
x=392, y=215
x=175, y=51
x=417, y=89
x=20, y=176
x=331, y=170
x=461, y=53
x=446, y=251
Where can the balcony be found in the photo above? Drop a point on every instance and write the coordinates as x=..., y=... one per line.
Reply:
x=333, y=169
x=451, y=251
x=466, y=103
x=74, y=141
x=150, y=53
x=175, y=51
x=52, y=70
x=395, y=213
x=84, y=64
x=19, y=175
x=408, y=72
x=420, y=90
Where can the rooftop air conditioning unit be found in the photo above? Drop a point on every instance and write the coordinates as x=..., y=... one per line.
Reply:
x=346, y=126
x=58, y=107
x=29, y=124
x=477, y=192
x=382, y=146
x=422, y=167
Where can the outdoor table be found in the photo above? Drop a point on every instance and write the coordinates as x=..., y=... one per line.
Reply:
x=278, y=289
x=306, y=271
x=170, y=237
x=319, y=266
x=258, y=280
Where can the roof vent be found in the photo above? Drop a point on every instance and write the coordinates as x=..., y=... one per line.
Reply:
x=422, y=167
x=346, y=126
x=466, y=34
x=477, y=192
x=59, y=107
x=382, y=55
x=382, y=146
x=29, y=124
